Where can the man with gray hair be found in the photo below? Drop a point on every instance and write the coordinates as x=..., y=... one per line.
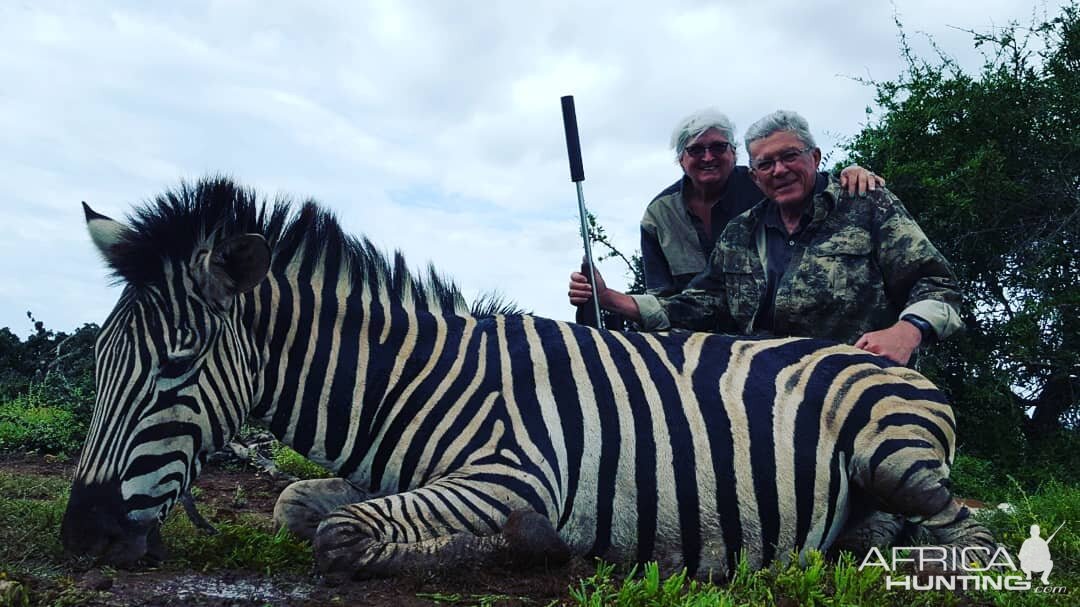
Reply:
x=682, y=223
x=808, y=261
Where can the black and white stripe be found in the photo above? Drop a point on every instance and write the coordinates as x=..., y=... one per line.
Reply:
x=685, y=448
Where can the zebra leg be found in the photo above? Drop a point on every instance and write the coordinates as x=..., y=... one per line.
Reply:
x=304, y=504
x=868, y=526
x=910, y=478
x=429, y=528
x=868, y=529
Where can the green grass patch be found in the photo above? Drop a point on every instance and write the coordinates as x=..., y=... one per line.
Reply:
x=30, y=514
x=1053, y=504
x=290, y=462
x=248, y=543
x=471, y=600
x=33, y=507
x=30, y=532
x=818, y=582
x=14, y=486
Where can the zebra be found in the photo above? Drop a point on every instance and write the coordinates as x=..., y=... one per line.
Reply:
x=463, y=436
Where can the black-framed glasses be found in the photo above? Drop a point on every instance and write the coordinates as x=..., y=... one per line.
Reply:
x=766, y=165
x=698, y=150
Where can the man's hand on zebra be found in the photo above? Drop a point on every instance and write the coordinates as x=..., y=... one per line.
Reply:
x=897, y=343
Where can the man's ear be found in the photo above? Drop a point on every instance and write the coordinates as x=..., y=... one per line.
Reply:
x=236, y=265
x=105, y=232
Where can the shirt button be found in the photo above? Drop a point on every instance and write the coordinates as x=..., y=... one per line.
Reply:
x=791, y=243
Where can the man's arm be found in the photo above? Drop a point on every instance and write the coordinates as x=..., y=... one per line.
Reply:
x=701, y=307
x=917, y=278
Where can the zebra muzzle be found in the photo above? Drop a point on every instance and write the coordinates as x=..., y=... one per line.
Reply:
x=96, y=525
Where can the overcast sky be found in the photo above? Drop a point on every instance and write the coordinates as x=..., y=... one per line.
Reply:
x=432, y=127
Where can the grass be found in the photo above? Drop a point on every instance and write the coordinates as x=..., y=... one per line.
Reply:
x=290, y=462
x=470, y=600
x=249, y=543
x=37, y=573
x=817, y=582
x=30, y=516
x=30, y=550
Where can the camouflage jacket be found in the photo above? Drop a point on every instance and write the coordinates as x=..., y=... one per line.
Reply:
x=863, y=265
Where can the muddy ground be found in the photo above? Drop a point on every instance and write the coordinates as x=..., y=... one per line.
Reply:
x=219, y=487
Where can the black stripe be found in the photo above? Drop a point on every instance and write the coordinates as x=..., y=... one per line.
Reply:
x=645, y=481
x=319, y=360
x=568, y=403
x=421, y=405
x=680, y=439
x=523, y=383
x=714, y=359
x=341, y=405
x=437, y=426
x=890, y=446
x=913, y=419
x=610, y=441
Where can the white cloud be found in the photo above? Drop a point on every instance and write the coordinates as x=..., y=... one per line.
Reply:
x=434, y=127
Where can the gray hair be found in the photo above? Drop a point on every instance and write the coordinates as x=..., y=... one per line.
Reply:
x=692, y=126
x=780, y=120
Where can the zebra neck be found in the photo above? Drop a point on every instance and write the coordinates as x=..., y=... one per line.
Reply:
x=341, y=373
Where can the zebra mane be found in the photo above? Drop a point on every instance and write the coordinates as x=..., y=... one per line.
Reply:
x=171, y=226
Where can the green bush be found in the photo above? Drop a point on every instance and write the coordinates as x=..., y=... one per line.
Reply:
x=26, y=425
x=977, y=478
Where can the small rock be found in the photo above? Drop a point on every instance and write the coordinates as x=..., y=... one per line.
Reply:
x=95, y=580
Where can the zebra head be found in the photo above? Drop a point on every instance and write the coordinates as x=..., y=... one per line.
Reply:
x=174, y=375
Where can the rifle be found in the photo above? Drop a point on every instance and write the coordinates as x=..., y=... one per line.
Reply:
x=584, y=315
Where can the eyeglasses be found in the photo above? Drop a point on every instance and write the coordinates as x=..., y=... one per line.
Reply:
x=698, y=150
x=766, y=165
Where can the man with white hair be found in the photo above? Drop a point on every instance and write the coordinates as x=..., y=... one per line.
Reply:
x=683, y=222
x=808, y=261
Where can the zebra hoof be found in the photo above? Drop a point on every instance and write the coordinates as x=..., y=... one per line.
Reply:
x=532, y=541
x=341, y=554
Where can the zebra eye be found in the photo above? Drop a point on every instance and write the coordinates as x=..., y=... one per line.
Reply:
x=176, y=365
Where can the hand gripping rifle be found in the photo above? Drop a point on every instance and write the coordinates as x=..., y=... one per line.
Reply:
x=584, y=315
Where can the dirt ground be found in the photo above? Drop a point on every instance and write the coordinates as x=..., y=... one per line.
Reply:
x=219, y=488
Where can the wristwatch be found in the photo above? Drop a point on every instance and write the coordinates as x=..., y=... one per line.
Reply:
x=927, y=331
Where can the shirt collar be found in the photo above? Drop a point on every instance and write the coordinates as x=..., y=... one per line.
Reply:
x=826, y=192
x=685, y=185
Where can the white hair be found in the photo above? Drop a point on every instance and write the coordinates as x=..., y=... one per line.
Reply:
x=691, y=127
x=778, y=121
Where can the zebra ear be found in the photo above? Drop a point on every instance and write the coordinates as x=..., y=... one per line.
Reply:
x=105, y=232
x=237, y=265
